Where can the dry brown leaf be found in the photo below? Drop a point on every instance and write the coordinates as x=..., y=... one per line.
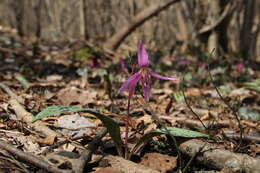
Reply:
x=205, y=117
x=74, y=95
x=192, y=92
x=107, y=170
x=124, y=165
x=29, y=144
x=159, y=162
x=2, y=125
x=48, y=140
x=255, y=148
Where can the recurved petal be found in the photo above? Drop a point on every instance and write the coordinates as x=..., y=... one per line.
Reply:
x=131, y=82
x=162, y=77
x=142, y=56
x=146, y=86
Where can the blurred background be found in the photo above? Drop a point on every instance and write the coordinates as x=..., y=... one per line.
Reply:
x=229, y=27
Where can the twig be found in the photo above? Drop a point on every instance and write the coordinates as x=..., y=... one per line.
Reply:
x=22, y=114
x=49, y=149
x=14, y=161
x=197, y=124
x=228, y=105
x=80, y=163
x=194, y=113
x=28, y=117
x=30, y=158
x=11, y=93
x=228, y=9
x=137, y=20
x=245, y=137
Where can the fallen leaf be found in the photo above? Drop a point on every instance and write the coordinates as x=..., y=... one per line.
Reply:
x=107, y=170
x=74, y=95
x=74, y=125
x=192, y=92
x=255, y=148
x=159, y=162
x=48, y=140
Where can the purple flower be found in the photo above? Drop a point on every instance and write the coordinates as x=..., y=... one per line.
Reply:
x=144, y=75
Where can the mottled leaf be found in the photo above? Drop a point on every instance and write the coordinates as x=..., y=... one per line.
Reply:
x=109, y=123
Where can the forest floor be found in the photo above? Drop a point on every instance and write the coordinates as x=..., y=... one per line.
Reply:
x=219, y=102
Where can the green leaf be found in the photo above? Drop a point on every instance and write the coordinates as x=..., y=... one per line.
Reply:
x=178, y=96
x=249, y=114
x=23, y=81
x=188, y=77
x=255, y=85
x=55, y=110
x=109, y=123
x=179, y=132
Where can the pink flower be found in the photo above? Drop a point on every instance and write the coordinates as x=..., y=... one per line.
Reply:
x=144, y=75
x=240, y=67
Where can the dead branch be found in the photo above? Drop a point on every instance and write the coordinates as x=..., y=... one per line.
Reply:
x=28, y=117
x=209, y=123
x=114, y=42
x=245, y=137
x=216, y=157
x=11, y=93
x=126, y=166
x=23, y=114
x=29, y=158
x=15, y=162
x=229, y=9
x=57, y=144
x=195, y=123
x=80, y=163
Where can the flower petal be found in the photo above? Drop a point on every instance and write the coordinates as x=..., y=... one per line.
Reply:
x=146, y=86
x=162, y=77
x=127, y=84
x=142, y=56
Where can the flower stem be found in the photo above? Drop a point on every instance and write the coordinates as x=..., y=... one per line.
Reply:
x=127, y=127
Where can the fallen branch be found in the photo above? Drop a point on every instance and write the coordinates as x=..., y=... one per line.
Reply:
x=228, y=10
x=85, y=157
x=245, y=137
x=12, y=160
x=23, y=114
x=197, y=124
x=57, y=144
x=216, y=157
x=114, y=42
x=30, y=158
x=28, y=117
x=11, y=93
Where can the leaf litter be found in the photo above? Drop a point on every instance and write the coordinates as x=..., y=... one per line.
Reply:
x=50, y=78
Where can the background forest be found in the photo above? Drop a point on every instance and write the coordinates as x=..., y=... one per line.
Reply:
x=228, y=26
